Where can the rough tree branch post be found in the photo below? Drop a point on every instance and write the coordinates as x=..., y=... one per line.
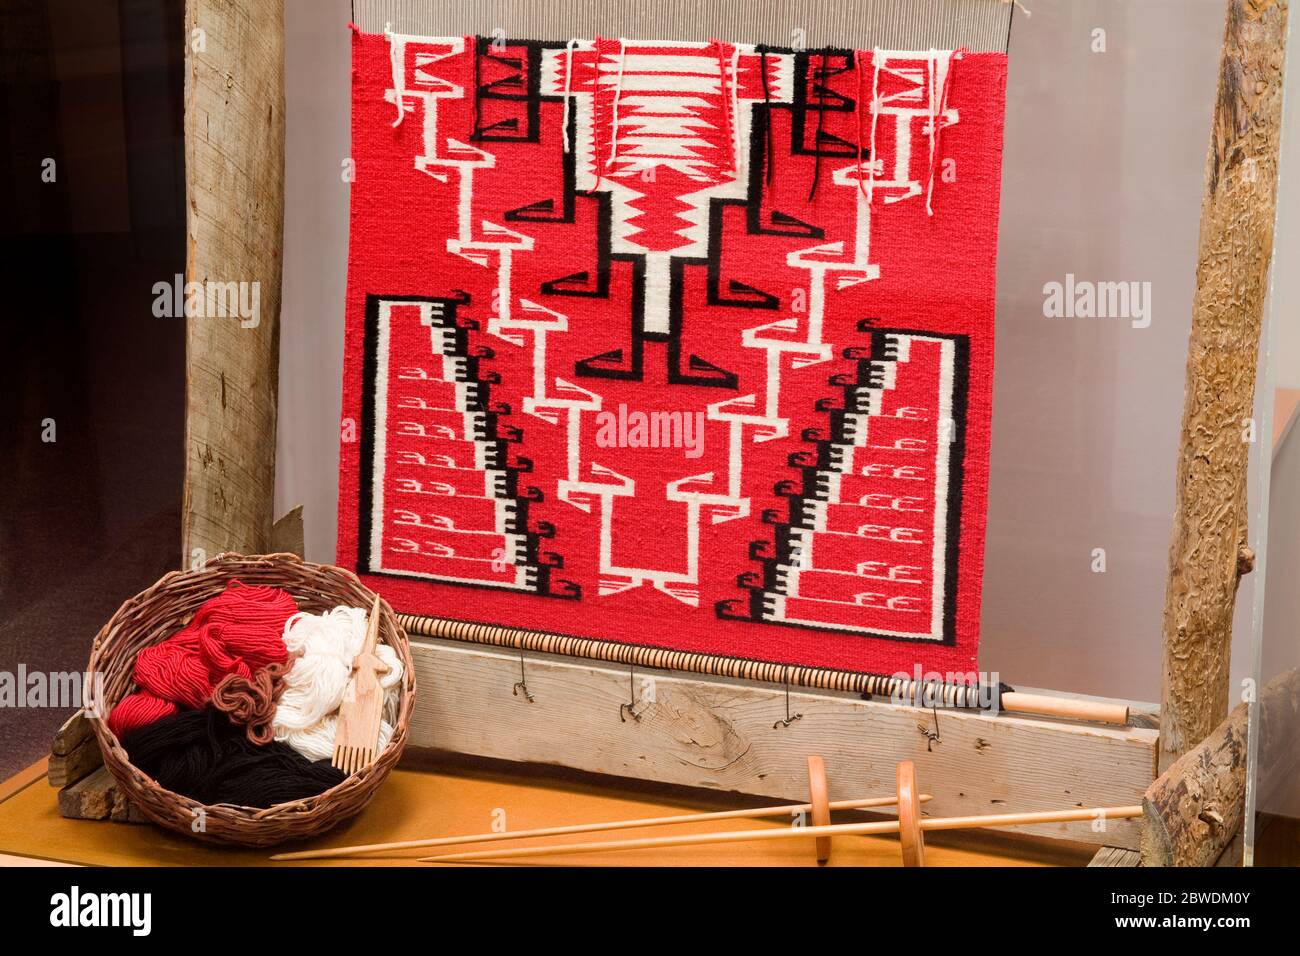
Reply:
x=1208, y=550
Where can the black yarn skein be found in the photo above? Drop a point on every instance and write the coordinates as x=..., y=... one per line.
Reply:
x=200, y=754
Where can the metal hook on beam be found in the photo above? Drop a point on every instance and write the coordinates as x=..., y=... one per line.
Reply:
x=629, y=709
x=789, y=718
x=522, y=683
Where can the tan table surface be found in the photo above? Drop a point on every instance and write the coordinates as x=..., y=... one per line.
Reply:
x=435, y=800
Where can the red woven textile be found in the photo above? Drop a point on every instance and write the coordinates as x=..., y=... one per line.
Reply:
x=679, y=344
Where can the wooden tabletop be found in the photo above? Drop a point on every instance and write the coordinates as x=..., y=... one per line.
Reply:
x=424, y=800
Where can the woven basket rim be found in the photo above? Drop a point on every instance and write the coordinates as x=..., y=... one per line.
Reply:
x=180, y=593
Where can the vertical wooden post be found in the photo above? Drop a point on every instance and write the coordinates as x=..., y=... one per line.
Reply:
x=1208, y=552
x=234, y=190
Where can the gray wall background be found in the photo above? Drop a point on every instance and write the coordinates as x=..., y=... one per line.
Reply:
x=1102, y=175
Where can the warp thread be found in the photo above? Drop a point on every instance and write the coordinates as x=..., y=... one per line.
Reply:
x=568, y=88
x=821, y=89
x=202, y=755
x=477, y=87
x=396, y=60
x=938, y=113
x=767, y=105
x=876, y=58
x=618, y=97
x=326, y=644
x=730, y=106
x=237, y=632
x=857, y=121
x=597, y=166
x=250, y=703
x=736, y=151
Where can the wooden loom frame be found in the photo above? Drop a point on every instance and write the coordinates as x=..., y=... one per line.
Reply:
x=727, y=733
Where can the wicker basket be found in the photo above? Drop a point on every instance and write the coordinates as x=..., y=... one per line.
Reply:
x=155, y=614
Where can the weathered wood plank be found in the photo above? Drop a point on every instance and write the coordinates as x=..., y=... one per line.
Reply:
x=234, y=190
x=287, y=533
x=68, y=737
x=1115, y=856
x=97, y=797
x=71, y=767
x=1195, y=810
x=91, y=798
x=1208, y=549
x=719, y=734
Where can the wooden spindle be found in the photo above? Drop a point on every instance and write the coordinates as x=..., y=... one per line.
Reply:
x=911, y=835
x=868, y=803
x=797, y=833
x=819, y=803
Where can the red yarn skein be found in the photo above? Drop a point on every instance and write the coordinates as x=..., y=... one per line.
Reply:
x=138, y=710
x=239, y=631
x=174, y=670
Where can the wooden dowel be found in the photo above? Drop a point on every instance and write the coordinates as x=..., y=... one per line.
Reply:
x=751, y=813
x=788, y=833
x=1015, y=702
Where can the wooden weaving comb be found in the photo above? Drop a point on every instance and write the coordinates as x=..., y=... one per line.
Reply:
x=356, y=740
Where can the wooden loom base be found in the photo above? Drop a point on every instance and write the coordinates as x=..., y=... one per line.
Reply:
x=920, y=692
x=718, y=733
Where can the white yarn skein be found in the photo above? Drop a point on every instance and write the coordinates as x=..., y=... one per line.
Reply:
x=325, y=644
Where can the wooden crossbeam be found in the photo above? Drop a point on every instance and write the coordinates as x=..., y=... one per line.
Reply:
x=719, y=734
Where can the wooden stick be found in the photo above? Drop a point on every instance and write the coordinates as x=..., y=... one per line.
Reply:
x=1097, y=711
x=788, y=808
x=801, y=833
x=356, y=737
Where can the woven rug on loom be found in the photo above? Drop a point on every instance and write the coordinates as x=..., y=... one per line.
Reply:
x=675, y=344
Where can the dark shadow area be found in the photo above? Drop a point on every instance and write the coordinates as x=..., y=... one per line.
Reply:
x=92, y=434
